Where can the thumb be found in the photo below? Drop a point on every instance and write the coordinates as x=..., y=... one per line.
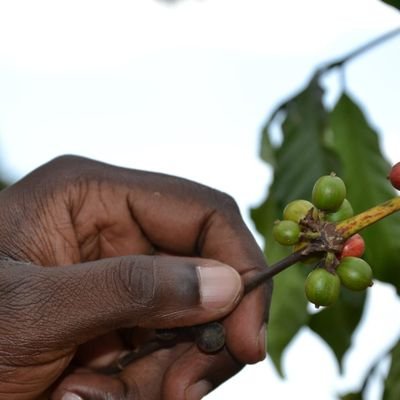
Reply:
x=82, y=301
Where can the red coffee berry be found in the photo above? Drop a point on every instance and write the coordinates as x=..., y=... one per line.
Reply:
x=353, y=247
x=394, y=176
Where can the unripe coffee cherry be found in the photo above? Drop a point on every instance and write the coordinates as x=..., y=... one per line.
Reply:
x=322, y=287
x=354, y=273
x=296, y=210
x=345, y=211
x=328, y=193
x=286, y=232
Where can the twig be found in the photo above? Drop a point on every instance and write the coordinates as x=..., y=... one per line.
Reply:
x=337, y=63
x=360, y=50
x=268, y=273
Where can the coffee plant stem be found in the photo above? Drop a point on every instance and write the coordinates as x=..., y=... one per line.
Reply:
x=360, y=221
x=360, y=50
x=262, y=276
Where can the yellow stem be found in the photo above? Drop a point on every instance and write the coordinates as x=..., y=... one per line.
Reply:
x=352, y=225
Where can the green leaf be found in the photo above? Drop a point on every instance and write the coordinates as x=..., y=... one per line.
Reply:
x=394, y=3
x=336, y=324
x=286, y=315
x=392, y=383
x=301, y=158
x=288, y=312
x=304, y=155
x=264, y=217
x=267, y=150
x=364, y=172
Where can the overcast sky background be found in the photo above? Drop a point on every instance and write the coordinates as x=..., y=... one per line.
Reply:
x=185, y=89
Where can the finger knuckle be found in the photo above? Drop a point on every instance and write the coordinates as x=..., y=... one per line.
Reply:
x=69, y=167
x=137, y=279
x=227, y=202
x=66, y=160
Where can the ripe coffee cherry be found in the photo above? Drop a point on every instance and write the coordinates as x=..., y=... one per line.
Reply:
x=353, y=247
x=297, y=210
x=345, y=211
x=354, y=273
x=328, y=193
x=286, y=232
x=394, y=176
x=322, y=287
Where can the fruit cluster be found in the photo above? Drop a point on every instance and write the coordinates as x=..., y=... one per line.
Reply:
x=337, y=261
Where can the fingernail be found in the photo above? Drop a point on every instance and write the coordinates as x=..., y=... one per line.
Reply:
x=198, y=390
x=71, y=396
x=262, y=342
x=220, y=286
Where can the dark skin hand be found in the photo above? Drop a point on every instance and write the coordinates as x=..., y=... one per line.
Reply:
x=94, y=257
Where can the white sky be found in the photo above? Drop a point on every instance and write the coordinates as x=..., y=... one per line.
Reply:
x=185, y=89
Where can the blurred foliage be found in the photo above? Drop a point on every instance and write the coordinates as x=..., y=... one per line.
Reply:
x=352, y=396
x=394, y=3
x=392, y=384
x=302, y=140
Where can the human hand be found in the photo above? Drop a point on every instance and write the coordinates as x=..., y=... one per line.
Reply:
x=94, y=256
